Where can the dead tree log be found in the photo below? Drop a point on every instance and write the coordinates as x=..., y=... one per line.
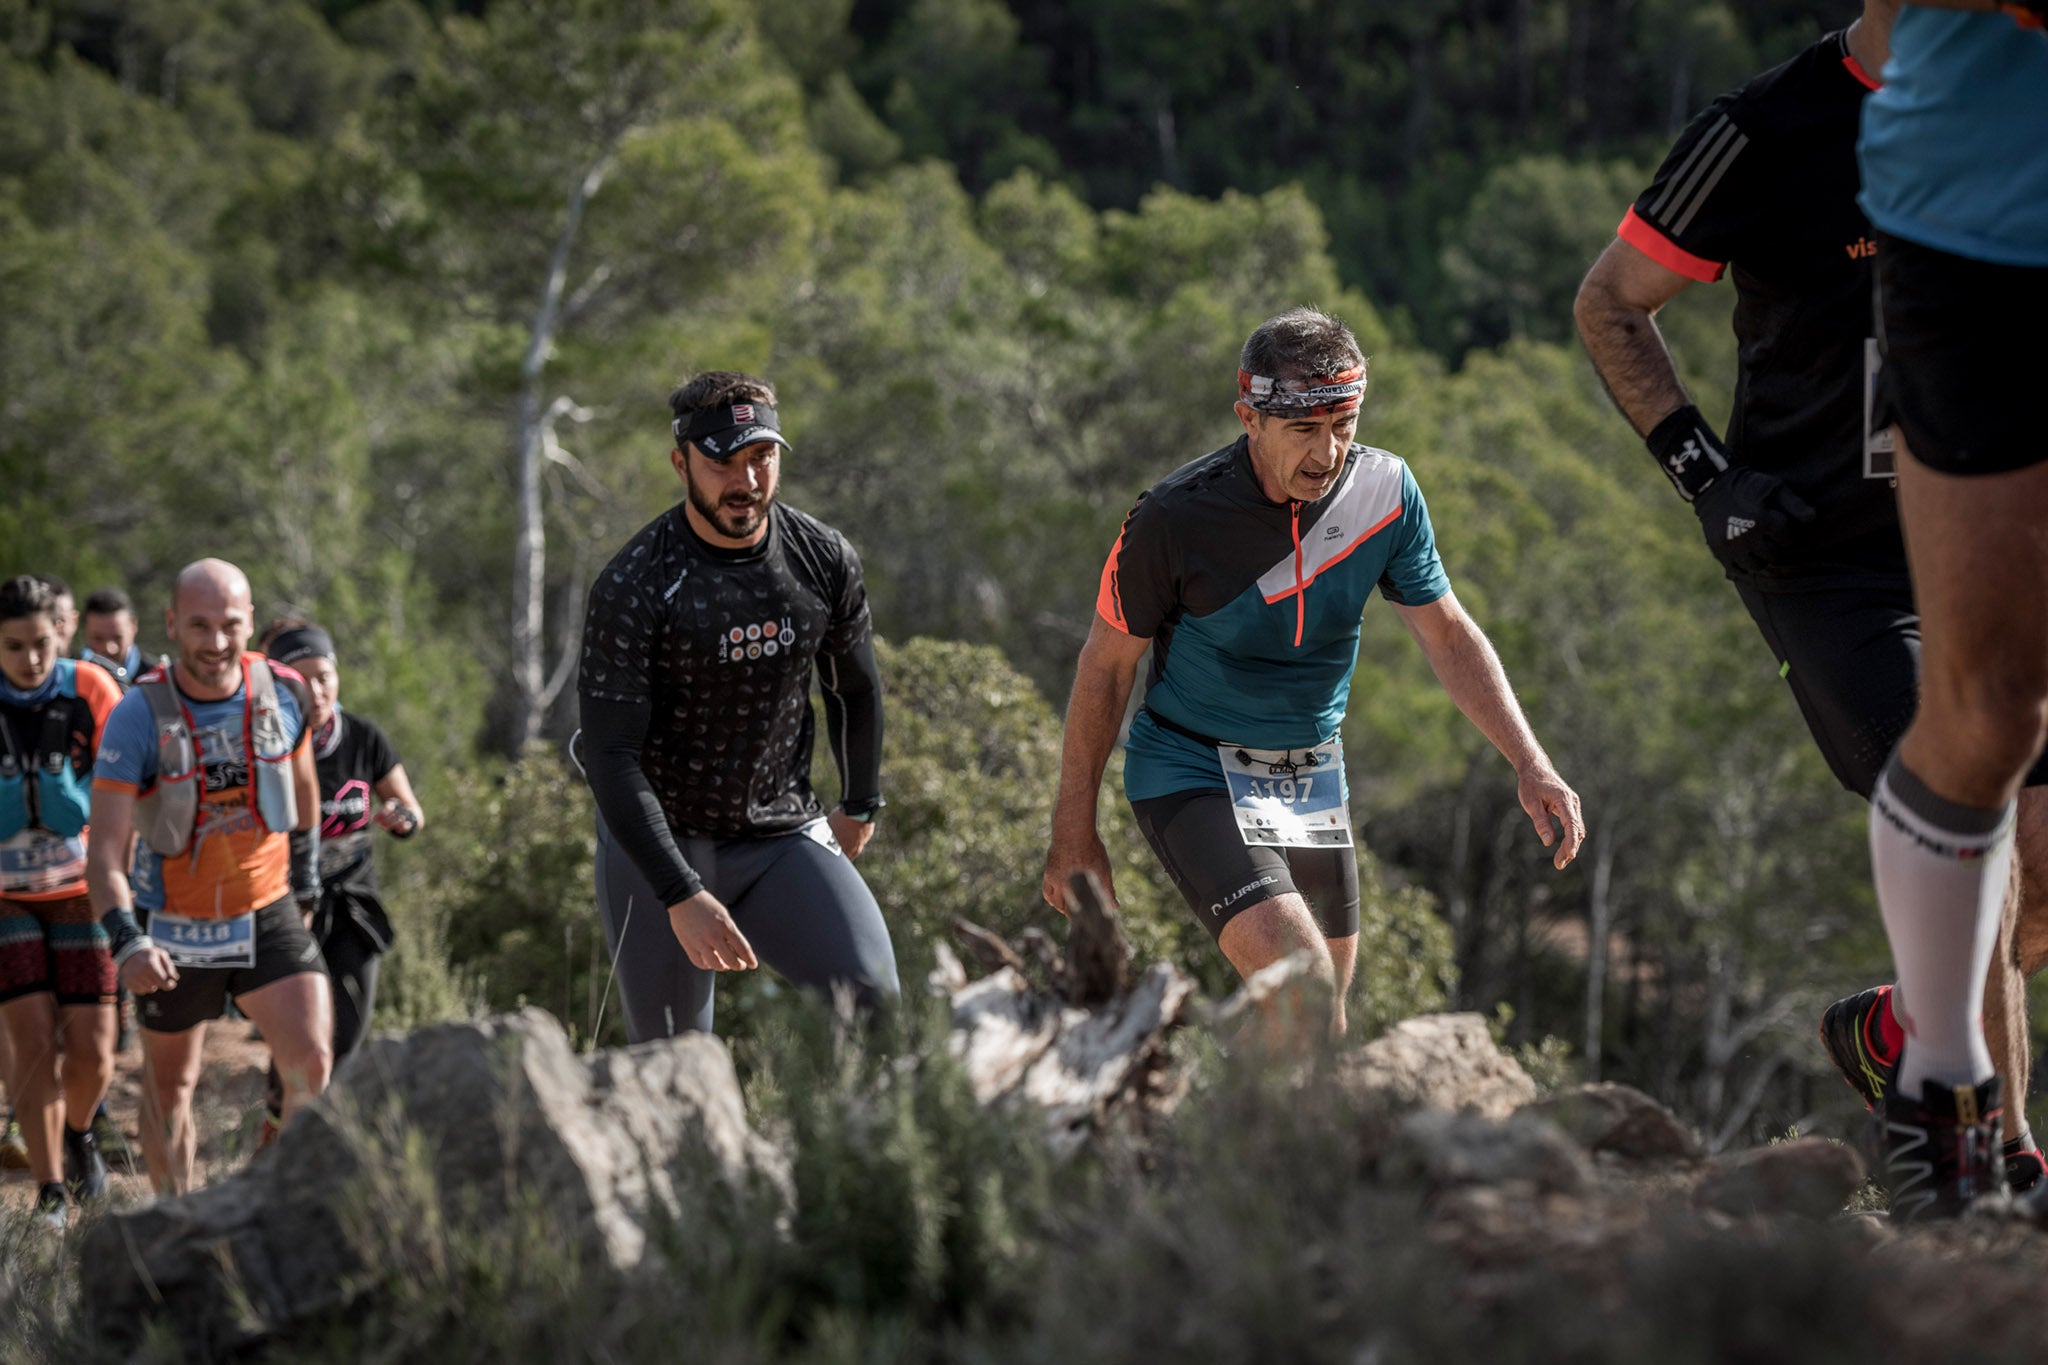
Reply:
x=1088, y=1052
x=1098, y=953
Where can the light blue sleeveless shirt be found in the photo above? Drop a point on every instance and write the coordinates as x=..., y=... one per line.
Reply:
x=1955, y=146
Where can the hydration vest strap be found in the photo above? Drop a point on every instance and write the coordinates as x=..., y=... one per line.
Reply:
x=167, y=813
x=271, y=789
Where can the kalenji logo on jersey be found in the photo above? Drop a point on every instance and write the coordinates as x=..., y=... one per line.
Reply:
x=760, y=640
x=742, y=413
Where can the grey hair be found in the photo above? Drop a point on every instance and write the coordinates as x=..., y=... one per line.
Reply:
x=1301, y=343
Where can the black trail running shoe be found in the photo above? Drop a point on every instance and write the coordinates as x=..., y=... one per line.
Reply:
x=1848, y=1030
x=84, y=1172
x=2023, y=1167
x=1939, y=1155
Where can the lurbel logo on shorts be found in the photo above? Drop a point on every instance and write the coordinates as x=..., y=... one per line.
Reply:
x=756, y=640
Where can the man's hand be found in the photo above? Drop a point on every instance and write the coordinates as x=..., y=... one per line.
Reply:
x=1747, y=514
x=1071, y=853
x=852, y=834
x=149, y=971
x=395, y=816
x=711, y=940
x=1543, y=795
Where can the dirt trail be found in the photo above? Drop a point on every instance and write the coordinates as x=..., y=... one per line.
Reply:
x=227, y=1110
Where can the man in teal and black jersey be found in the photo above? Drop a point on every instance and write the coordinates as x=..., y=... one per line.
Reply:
x=1244, y=575
x=1797, y=503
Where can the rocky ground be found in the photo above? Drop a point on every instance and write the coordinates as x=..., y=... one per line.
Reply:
x=230, y=1094
x=1414, y=1198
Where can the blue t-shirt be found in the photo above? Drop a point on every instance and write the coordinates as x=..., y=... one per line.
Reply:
x=1955, y=146
x=234, y=865
x=1254, y=607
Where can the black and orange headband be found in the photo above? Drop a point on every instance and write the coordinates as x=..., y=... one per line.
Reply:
x=1315, y=396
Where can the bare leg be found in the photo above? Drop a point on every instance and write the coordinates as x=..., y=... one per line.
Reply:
x=2030, y=935
x=296, y=1016
x=31, y=1021
x=170, y=1075
x=89, y=1032
x=2005, y=1011
x=1982, y=714
x=1277, y=928
x=1344, y=958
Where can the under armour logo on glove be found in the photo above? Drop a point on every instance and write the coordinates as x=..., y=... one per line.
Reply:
x=1750, y=518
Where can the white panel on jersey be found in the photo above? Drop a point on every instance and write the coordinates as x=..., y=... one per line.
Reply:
x=1367, y=502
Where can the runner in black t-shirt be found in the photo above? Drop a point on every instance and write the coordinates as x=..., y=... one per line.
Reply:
x=363, y=788
x=698, y=650
x=1798, y=504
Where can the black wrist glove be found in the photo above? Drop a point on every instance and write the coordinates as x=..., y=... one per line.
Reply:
x=305, y=867
x=1688, y=451
x=1748, y=516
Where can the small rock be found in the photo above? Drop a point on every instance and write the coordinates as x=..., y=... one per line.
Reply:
x=1439, y=1061
x=1805, y=1178
x=1619, y=1120
x=1446, y=1150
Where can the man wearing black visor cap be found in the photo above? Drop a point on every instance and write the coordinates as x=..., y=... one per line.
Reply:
x=703, y=632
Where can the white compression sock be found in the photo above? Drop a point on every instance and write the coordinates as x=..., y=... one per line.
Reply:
x=1941, y=873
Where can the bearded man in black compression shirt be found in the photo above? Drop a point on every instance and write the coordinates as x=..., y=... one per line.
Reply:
x=714, y=854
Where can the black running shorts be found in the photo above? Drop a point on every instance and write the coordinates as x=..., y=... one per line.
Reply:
x=1960, y=375
x=1848, y=643
x=284, y=947
x=1220, y=876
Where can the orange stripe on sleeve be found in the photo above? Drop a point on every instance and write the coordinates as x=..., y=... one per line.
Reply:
x=1108, y=601
x=1637, y=232
x=111, y=785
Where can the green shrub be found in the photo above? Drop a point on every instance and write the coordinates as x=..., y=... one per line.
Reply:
x=502, y=880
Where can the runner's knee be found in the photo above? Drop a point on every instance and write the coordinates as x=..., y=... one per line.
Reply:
x=1275, y=928
x=304, y=1058
x=1993, y=721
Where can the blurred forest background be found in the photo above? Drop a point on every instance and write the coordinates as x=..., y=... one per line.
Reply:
x=382, y=301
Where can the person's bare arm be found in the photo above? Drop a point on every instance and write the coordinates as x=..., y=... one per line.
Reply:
x=1617, y=315
x=398, y=809
x=1103, y=679
x=1465, y=663
x=306, y=787
x=109, y=848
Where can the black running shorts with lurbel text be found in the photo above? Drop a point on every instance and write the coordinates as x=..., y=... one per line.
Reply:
x=721, y=643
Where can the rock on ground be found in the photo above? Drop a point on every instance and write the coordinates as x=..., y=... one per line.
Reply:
x=1620, y=1121
x=514, y=1124
x=1443, y=1150
x=1440, y=1061
x=1806, y=1178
